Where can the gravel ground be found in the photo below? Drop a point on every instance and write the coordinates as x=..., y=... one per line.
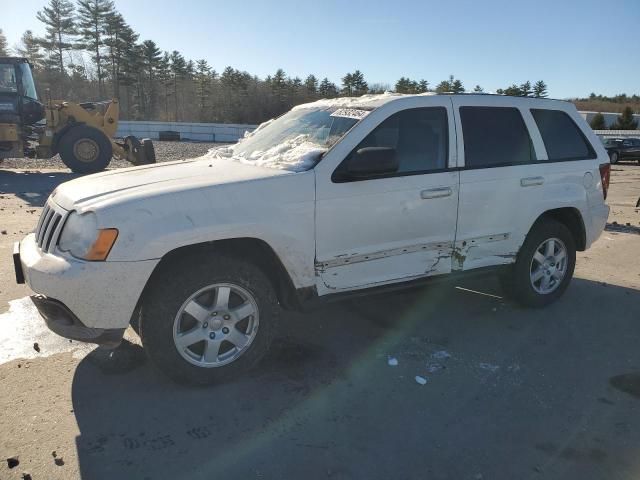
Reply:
x=165, y=152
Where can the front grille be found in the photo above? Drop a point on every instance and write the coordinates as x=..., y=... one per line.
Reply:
x=49, y=226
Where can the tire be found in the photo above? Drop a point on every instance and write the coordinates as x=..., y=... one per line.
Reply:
x=613, y=158
x=85, y=149
x=149, y=151
x=519, y=282
x=165, y=314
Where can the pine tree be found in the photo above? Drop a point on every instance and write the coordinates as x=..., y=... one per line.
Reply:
x=30, y=49
x=60, y=31
x=311, y=85
x=203, y=81
x=540, y=89
x=151, y=57
x=478, y=89
x=327, y=89
x=625, y=121
x=513, y=91
x=457, y=87
x=423, y=86
x=597, y=122
x=178, y=69
x=347, y=85
x=360, y=87
x=4, y=50
x=525, y=89
x=119, y=37
x=93, y=18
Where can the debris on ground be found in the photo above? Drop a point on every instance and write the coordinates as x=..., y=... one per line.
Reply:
x=26, y=476
x=13, y=462
x=36, y=347
x=490, y=367
x=392, y=362
x=435, y=367
x=441, y=355
x=421, y=380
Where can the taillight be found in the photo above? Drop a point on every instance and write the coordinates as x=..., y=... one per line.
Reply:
x=605, y=176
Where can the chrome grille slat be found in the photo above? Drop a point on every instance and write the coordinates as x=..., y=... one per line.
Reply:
x=43, y=227
x=50, y=226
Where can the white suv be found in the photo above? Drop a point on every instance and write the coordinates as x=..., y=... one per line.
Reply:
x=333, y=197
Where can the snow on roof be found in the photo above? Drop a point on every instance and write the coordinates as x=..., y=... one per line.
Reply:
x=366, y=101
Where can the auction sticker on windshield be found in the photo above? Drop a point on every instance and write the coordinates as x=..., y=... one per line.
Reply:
x=354, y=113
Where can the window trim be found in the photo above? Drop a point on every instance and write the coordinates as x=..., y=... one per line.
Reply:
x=592, y=153
x=534, y=160
x=337, y=178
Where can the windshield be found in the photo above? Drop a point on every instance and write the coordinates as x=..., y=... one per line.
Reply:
x=299, y=131
x=28, y=85
x=8, y=82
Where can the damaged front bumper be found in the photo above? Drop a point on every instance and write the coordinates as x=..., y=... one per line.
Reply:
x=63, y=322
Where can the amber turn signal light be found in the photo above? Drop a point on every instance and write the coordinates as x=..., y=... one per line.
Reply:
x=102, y=246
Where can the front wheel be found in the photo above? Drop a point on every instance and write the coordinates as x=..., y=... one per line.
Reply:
x=204, y=322
x=613, y=158
x=85, y=149
x=544, y=265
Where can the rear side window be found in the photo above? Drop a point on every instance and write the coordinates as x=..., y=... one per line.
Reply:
x=561, y=136
x=495, y=136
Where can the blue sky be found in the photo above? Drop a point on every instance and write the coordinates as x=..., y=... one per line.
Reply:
x=575, y=46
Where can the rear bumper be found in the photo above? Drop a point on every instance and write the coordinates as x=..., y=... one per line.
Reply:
x=63, y=322
x=599, y=215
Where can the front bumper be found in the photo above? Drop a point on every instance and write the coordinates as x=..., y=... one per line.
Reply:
x=103, y=295
x=62, y=321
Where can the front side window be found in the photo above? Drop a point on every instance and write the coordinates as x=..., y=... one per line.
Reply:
x=419, y=136
x=495, y=136
x=561, y=136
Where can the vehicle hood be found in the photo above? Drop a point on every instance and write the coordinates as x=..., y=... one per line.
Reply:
x=107, y=187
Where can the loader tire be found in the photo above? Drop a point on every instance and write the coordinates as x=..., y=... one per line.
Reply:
x=85, y=149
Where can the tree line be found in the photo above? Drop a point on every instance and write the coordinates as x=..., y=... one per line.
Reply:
x=90, y=52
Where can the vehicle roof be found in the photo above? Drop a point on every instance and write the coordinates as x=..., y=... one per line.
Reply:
x=372, y=101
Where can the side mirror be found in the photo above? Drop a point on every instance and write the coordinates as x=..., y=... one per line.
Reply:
x=372, y=161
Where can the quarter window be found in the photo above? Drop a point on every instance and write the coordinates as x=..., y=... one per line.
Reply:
x=420, y=137
x=561, y=136
x=495, y=136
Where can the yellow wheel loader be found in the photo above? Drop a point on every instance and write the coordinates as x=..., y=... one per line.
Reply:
x=82, y=133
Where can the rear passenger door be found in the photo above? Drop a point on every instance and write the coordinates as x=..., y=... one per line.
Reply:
x=501, y=181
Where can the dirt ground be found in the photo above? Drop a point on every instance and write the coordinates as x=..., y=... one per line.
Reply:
x=510, y=393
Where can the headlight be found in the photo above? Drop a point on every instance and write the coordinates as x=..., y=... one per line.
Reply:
x=82, y=238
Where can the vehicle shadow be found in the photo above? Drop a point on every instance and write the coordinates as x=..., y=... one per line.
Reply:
x=325, y=403
x=32, y=186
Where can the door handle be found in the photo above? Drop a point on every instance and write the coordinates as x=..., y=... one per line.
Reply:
x=531, y=181
x=436, y=193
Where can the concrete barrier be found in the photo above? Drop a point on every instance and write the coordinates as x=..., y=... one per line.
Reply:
x=200, y=132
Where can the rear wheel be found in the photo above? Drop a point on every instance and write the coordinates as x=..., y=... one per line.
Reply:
x=544, y=265
x=613, y=158
x=205, y=322
x=85, y=149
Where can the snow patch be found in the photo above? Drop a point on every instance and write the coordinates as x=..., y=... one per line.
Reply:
x=392, y=362
x=296, y=154
x=421, y=380
x=22, y=327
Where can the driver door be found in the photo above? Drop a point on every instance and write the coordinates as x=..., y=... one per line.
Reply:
x=396, y=227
